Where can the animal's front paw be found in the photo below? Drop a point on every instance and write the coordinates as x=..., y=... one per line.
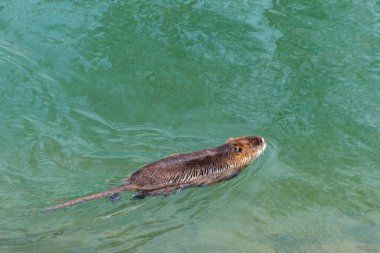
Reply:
x=114, y=197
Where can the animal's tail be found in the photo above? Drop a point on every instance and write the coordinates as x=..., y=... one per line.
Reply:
x=87, y=198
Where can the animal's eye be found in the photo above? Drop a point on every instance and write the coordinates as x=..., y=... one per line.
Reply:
x=238, y=150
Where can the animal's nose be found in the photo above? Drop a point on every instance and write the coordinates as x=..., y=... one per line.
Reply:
x=260, y=141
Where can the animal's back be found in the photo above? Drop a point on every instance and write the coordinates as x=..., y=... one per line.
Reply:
x=167, y=171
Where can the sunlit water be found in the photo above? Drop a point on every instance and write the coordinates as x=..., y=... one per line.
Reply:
x=92, y=90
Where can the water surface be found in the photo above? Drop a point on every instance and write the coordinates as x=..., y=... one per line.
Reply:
x=92, y=90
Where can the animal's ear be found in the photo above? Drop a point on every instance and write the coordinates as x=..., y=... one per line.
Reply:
x=230, y=139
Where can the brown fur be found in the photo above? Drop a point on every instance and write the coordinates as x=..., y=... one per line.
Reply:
x=181, y=171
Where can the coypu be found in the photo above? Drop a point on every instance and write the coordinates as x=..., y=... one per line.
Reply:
x=180, y=171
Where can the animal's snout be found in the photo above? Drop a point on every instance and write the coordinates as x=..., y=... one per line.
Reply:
x=259, y=141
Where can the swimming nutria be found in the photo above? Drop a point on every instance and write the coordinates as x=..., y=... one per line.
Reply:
x=180, y=171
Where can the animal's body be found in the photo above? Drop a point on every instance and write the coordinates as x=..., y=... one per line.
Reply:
x=180, y=171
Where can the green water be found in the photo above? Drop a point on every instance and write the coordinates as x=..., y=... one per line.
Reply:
x=92, y=90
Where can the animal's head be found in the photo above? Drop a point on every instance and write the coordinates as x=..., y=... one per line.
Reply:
x=245, y=149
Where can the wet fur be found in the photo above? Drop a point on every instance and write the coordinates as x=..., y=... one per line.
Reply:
x=180, y=171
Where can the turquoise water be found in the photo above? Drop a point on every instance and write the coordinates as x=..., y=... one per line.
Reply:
x=92, y=90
